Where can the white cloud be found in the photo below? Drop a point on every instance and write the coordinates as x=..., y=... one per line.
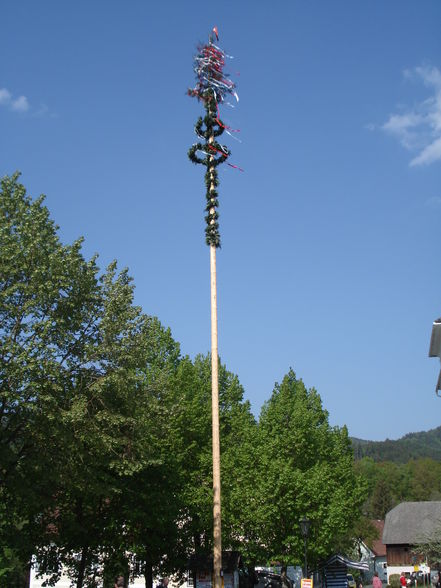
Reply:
x=19, y=104
x=419, y=128
x=431, y=76
x=5, y=96
x=429, y=154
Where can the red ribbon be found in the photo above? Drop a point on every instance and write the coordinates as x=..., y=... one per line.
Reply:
x=236, y=167
x=218, y=120
x=211, y=148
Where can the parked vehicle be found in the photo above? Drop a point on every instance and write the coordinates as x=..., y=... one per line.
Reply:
x=272, y=580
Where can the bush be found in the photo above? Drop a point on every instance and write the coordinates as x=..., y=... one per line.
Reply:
x=394, y=580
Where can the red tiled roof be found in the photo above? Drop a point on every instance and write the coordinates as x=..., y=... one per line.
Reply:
x=378, y=546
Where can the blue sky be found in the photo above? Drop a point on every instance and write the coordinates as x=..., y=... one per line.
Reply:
x=330, y=259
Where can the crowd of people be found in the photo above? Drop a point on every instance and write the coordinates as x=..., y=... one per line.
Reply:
x=405, y=582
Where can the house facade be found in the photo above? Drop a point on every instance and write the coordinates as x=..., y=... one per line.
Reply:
x=406, y=526
x=375, y=553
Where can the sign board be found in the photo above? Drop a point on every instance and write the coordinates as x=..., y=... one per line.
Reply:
x=306, y=583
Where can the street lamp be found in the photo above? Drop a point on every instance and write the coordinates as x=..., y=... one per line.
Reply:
x=305, y=524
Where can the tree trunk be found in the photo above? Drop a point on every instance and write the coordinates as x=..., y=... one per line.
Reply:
x=27, y=577
x=82, y=567
x=148, y=575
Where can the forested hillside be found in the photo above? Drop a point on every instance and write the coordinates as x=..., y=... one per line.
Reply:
x=411, y=446
x=408, y=469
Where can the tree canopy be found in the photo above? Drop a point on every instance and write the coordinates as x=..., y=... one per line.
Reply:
x=82, y=380
x=306, y=467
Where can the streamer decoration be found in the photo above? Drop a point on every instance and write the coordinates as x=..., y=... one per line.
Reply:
x=213, y=87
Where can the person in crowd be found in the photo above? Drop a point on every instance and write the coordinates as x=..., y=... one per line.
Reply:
x=284, y=580
x=163, y=583
x=376, y=582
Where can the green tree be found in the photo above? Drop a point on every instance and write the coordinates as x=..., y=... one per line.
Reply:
x=49, y=304
x=425, y=477
x=103, y=513
x=305, y=467
x=390, y=483
x=151, y=503
x=382, y=500
x=82, y=377
x=192, y=416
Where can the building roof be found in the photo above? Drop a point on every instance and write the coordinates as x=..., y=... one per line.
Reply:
x=378, y=547
x=344, y=561
x=412, y=523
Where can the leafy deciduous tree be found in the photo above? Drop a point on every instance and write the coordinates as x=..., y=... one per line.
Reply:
x=81, y=378
x=305, y=467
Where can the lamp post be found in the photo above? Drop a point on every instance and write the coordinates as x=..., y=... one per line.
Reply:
x=305, y=524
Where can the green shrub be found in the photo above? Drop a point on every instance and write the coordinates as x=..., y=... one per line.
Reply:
x=394, y=580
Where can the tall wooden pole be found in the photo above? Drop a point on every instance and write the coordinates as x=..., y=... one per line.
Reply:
x=217, y=526
x=217, y=520
x=212, y=86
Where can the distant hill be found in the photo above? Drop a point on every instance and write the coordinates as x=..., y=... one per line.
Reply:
x=412, y=445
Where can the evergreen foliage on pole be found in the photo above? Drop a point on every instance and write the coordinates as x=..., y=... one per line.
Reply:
x=212, y=87
x=207, y=128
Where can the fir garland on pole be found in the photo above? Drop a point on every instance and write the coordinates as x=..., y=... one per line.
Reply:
x=211, y=88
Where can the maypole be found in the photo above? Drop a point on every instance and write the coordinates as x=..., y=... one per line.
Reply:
x=211, y=88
